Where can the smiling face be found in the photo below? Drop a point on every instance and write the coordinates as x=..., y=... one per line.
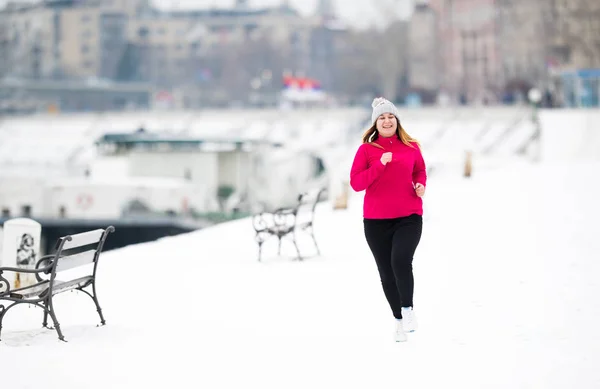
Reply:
x=386, y=124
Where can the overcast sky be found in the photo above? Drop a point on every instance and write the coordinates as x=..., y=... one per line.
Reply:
x=358, y=13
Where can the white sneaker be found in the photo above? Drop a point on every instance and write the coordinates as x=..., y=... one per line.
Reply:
x=409, y=319
x=400, y=335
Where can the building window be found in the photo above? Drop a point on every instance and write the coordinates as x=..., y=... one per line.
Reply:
x=86, y=18
x=143, y=32
x=85, y=49
x=294, y=38
x=26, y=210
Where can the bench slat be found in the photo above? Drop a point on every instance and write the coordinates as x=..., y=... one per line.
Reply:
x=61, y=286
x=79, y=259
x=30, y=291
x=83, y=239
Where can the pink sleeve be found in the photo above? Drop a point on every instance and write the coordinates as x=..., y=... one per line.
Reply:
x=419, y=171
x=361, y=175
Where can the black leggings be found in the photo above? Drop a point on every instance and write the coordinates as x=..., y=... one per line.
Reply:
x=393, y=243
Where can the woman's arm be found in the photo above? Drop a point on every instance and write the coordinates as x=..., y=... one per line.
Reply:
x=361, y=175
x=419, y=175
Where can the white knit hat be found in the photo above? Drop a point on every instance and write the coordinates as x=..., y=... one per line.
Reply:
x=381, y=106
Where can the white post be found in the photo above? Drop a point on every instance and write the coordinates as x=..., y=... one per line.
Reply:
x=21, y=248
x=339, y=176
x=598, y=90
x=1, y=244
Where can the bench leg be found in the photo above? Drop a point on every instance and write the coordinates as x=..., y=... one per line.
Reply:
x=50, y=310
x=45, y=321
x=315, y=240
x=259, y=250
x=279, y=246
x=296, y=245
x=98, y=309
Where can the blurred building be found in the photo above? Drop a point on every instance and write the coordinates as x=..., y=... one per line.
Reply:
x=31, y=41
x=523, y=38
x=326, y=43
x=424, y=58
x=239, y=54
x=82, y=39
x=470, y=66
x=132, y=41
x=4, y=44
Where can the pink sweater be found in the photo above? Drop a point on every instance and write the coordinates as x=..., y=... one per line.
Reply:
x=389, y=188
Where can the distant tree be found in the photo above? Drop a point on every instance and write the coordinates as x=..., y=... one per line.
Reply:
x=234, y=66
x=375, y=60
x=354, y=71
x=565, y=32
x=579, y=28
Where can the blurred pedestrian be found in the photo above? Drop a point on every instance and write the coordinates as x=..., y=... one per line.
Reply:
x=389, y=166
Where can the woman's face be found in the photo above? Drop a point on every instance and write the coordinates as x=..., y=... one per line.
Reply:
x=387, y=125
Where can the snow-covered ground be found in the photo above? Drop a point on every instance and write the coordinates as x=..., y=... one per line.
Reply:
x=507, y=280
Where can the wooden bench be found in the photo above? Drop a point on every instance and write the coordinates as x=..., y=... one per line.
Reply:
x=287, y=222
x=71, y=251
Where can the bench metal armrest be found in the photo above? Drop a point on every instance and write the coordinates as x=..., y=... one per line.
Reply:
x=45, y=264
x=23, y=270
x=5, y=285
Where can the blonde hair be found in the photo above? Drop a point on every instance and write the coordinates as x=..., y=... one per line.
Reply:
x=372, y=134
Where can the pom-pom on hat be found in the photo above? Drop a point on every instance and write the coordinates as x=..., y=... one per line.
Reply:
x=381, y=106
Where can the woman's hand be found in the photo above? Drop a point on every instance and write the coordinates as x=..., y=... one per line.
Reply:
x=386, y=157
x=420, y=189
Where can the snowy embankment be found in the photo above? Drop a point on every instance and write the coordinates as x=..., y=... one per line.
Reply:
x=507, y=277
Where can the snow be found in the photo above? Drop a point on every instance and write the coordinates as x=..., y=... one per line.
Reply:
x=507, y=277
